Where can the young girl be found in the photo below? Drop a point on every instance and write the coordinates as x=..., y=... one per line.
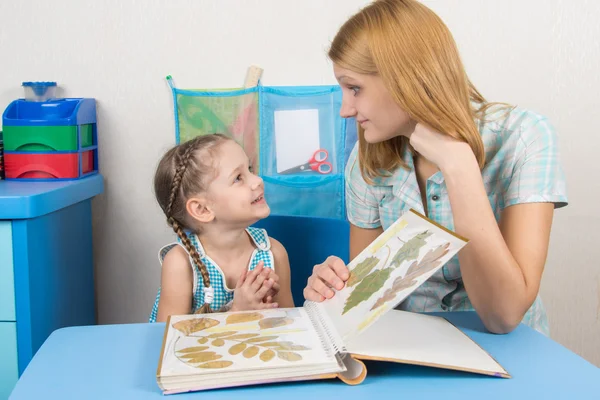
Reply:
x=210, y=197
x=428, y=140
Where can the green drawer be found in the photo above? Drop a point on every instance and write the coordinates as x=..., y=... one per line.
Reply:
x=7, y=281
x=46, y=138
x=9, y=371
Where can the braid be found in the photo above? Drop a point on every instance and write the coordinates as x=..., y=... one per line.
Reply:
x=175, y=187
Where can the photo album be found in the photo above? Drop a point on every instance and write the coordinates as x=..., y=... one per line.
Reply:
x=329, y=339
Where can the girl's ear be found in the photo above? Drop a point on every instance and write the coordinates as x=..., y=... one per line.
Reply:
x=197, y=208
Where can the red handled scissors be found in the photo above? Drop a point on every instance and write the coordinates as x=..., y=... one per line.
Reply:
x=316, y=163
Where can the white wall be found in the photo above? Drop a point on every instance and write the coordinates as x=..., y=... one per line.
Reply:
x=541, y=54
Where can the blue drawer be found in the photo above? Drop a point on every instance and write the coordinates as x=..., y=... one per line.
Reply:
x=7, y=280
x=8, y=358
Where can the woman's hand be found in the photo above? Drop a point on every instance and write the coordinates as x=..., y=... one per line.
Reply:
x=442, y=150
x=252, y=289
x=333, y=273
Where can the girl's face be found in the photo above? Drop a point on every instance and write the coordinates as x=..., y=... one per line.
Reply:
x=236, y=195
x=366, y=98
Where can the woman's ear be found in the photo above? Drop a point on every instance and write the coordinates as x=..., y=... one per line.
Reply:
x=197, y=208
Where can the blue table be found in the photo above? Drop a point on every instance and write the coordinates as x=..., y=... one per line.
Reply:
x=119, y=362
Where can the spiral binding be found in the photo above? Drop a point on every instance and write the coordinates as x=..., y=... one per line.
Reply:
x=330, y=340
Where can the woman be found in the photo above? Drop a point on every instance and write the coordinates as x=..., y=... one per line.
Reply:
x=428, y=140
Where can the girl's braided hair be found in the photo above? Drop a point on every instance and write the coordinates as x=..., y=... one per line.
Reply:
x=181, y=173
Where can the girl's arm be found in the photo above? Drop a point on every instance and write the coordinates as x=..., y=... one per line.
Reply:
x=176, y=285
x=282, y=268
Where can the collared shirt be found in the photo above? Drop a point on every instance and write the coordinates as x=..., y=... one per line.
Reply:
x=522, y=166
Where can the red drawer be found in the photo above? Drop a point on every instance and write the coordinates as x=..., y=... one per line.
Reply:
x=48, y=166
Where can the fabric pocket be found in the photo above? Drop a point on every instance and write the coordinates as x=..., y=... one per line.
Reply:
x=233, y=112
x=310, y=196
x=302, y=133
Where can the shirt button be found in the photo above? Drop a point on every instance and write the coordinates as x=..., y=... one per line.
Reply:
x=435, y=197
x=444, y=307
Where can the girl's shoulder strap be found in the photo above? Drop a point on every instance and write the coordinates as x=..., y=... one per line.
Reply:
x=260, y=238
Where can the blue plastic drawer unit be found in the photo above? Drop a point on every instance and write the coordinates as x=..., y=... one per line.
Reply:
x=46, y=266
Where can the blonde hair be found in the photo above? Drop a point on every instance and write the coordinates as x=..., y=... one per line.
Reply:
x=183, y=172
x=412, y=50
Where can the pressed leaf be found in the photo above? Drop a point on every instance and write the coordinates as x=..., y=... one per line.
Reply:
x=190, y=326
x=193, y=349
x=294, y=347
x=276, y=344
x=361, y=270
x=289, y=356
x=202, y=340
x=267, y=355
x=261, y=339
x=237, y=348
x=218, y=342
x=410, y=250
x=221, y=334
x=365, y=289
x=251, y=352
x=274, y=322
x=204, y=358
x=430, y=261
x=243, y=317
x=196, y=355
x=216, y=364
x=243, y=336
x=399, y=284
x=386, y=236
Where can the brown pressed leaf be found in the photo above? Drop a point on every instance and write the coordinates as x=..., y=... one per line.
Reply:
x=243, y=317
x=289, y=356
x=218, y=342
x=202, y=340
x=399, y=284
x=294, y=347
x=267, y=355
x=221, y=334
x=243, y=336
x=216, y=364
x=250, y=352
x=204, y=358
x=237, y=348
x=276, y=344
x=274, y=322
x=430, y=261
x=193, y=349
x=261, y=339
x=190, y=326
x=197, y=354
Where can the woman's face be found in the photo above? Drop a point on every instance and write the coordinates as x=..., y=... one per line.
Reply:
x=366, y=98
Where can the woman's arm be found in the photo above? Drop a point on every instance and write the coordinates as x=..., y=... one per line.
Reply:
x=502, y=265
x=360, y=238
x=282, y=268
x=176, y=285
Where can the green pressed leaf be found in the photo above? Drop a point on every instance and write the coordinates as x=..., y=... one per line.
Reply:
x=361, y=270
x=365, y=289
x=410, y=250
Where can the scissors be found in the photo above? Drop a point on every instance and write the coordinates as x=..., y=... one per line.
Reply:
x=316, y=163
